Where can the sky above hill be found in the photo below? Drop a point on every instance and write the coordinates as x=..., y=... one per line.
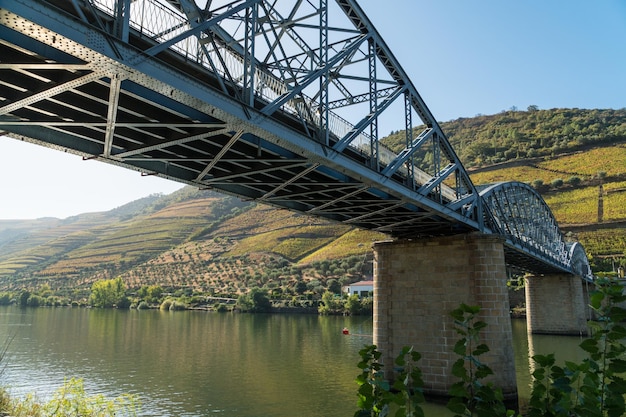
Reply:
x=464, y=57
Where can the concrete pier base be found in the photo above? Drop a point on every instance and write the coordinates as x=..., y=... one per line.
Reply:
x=416, y=286
x=555, y=305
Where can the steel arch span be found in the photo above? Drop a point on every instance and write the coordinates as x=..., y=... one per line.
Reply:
x=534, y=241
x=280, y=102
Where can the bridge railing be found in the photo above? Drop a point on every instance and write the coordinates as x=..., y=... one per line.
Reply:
x=160, y=21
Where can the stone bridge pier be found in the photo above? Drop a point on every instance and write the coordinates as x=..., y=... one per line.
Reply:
x=555, y=304
x=418, y=283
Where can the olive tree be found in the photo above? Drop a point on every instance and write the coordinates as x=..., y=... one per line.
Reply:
x=108, y=293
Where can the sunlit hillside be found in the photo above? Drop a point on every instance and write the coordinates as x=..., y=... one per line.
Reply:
x=208, y=242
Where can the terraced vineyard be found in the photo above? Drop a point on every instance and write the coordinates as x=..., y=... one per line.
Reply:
x=213, y=243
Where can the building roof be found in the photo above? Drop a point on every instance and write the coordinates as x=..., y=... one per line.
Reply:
x=361, y=284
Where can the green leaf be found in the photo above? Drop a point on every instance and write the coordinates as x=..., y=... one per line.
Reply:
x=456, y=405
x=618, y=386
x=460, y=347
x=483, y=371
x=479, y=325
x=617, y=314
x=595, y=300
x=618, y=365
x=457, y=315
x=590, y=346
x=458, y=369
x=480, y=349
x=544, y=360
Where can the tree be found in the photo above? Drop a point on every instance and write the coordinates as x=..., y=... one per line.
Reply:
x=300, y=287
x=107, y=293
x=256, y=301
x=334, y=286
x=574, y=181
x=353, y=304
x=24, y=296
x=557, y=183
x=151, y=293
x=331, y=304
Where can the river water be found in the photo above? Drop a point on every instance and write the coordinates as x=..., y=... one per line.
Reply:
x=189, y=363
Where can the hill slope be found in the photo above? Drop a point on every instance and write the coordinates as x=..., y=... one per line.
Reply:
x=214, y=243
x=191, y=238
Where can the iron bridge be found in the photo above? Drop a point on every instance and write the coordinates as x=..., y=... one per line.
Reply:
x=277, y=101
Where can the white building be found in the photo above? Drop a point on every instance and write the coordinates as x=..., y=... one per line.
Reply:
x=361, y=288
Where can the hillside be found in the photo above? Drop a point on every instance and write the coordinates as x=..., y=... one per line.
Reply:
x=211, y=243
x=512, y=135
x=190, y=239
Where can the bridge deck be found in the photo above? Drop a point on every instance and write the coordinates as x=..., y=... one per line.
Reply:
x=185, y=96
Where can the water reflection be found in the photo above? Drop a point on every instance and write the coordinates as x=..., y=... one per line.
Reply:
x=199, y=364
x=191, y=363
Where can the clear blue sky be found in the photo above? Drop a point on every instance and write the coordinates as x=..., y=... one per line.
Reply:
x=465, y=58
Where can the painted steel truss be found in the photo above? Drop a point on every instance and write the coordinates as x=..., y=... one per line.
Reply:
x=278, y=101
x=533, y=239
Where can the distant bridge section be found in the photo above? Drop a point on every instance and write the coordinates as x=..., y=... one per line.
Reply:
x=277, y=101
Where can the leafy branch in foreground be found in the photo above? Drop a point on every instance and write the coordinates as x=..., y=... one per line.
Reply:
x=378, y=397
x=70, y=400
x=596, y=387
x=470, y=396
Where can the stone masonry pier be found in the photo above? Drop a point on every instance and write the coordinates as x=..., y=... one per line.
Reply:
x=418, y=283
x=555, y=304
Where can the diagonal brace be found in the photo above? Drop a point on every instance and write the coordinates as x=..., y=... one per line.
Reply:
x=220, y=154
x=347, y=51
x=407, y=152
x=290, y=181
x=53, y=91
x=195, y=31
x=358, y=129
x=437, y=179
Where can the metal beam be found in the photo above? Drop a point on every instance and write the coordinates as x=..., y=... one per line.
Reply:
x=114, y=96
x=50, y=92
x=219, y=156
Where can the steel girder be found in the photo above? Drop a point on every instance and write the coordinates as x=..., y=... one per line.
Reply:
x=273, y=101
x=277, y=101
x=534, y=242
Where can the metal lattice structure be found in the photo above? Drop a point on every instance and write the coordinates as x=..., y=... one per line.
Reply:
x=515, y=210
x=277, y=101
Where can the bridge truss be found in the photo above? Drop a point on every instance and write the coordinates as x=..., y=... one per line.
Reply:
x=282, y=102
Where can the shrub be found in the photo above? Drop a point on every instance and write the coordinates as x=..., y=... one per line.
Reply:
x=330, y=304
x=557, y=183
x=574, y=181
x=376, y=395
x=177, y=305
x=595, y=387
x=124, y=302
x=35, y=301
x=24, y=296
x=256, y=301
x=221, y=308
x=353, y=305
x=166, y=304
x=470, y=396
x=5, y=299
x=70, y=400
x=107, y=293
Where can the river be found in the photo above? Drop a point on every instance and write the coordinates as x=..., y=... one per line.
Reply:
x=189, y=363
